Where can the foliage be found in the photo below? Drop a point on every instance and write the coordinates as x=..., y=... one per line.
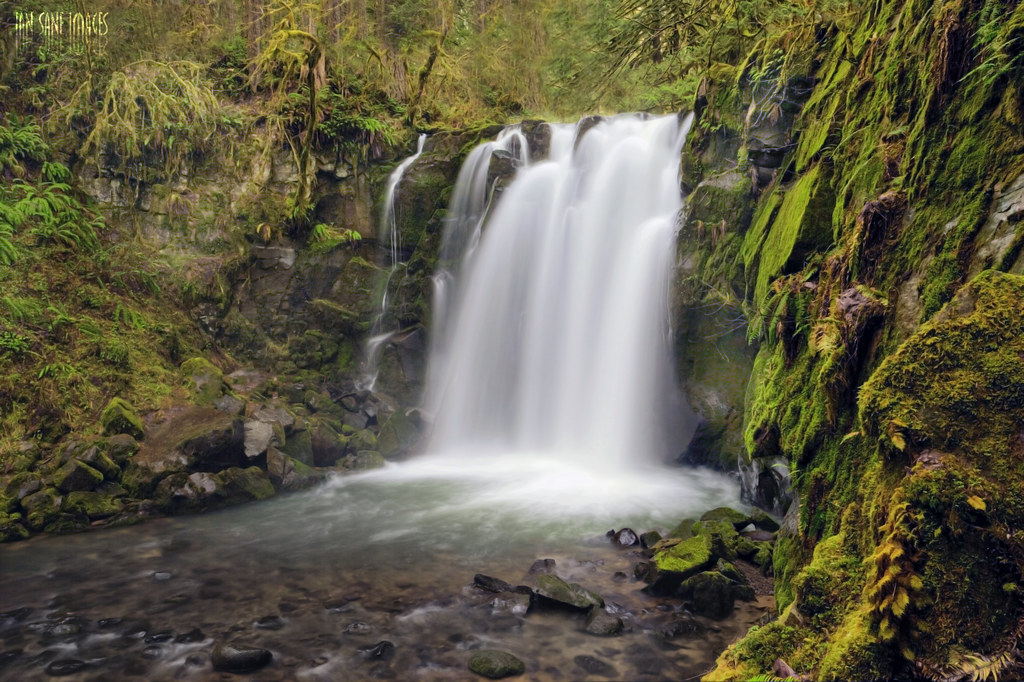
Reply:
x=152, y=117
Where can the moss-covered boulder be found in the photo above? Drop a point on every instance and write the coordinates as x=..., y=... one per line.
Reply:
x=299, y=446
x=41, y=508
x=119, y=417
x=204, y=380
x=92, y=505
x=121, y=448
x=685, y=558
x=722, y=537
x=397, y=435
x=737, y=518
x=76, y=475
x=246, y=485
x=557, y=592
x=711, y=593
x=495, y=665
x=12, y=527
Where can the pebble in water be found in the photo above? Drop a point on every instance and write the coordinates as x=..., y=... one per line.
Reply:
x=64, y=666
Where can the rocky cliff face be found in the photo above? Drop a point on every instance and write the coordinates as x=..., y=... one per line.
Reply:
x=857, y=214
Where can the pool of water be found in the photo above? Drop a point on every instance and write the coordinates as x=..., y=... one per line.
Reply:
x=320, y=577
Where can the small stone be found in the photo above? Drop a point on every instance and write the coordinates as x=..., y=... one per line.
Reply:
x=494, y=664
x=625, y=538
x=162, y=576
x=233, y=658
x=620, y=577
x=159, y=637
x=489, y=584
x=357, y=628
x=595, y=666
x=153, y=652
x=270, y=623
x=600, y=622
x=192, y=636
x=381, y=651
x=64, y=666
x=542, y=566
x=649, y=539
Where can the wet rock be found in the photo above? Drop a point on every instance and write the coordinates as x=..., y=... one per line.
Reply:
x=205, y=380
x=192, y=636
x=381, y=651
x=326, y=444
x=542, y=566
x=682, y=624
x=41, y=508
x=600, y=622
x=101, y=462
x=121, y=448
x=759, y=535
x=595, y=666
x=76, y=475
x=21, y=485
x=489, y=584
x=685, y=558
x=365, y=460
x=737, y=519
x=230, y=404
x=153, y=652
x=270, y=623
x=620, y=577
x=713, y=595
x=683, y=530
x=722, y=536
x=237, y=658
x=515, y=603
x=763, y=521
x=65, y=666
x=358, y=628
x=650, y=539
x=119, y=417
x=246, y=485
x=258, y=437
x=397, y=435
x=299, y=446
x=625, y=538
x=571, y=595
x=494, y=664
x=92, y=505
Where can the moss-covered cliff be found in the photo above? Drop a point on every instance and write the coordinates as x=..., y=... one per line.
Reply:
x=881, y=275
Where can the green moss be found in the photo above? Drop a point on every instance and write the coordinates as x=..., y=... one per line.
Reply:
x=688, y=557
x=118, y=417
x=205, y=380
x=802, y=226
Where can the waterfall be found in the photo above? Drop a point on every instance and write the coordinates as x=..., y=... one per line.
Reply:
x=558, y=334
x=389, y=220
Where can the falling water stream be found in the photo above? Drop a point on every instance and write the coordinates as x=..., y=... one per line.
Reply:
x=550, y=379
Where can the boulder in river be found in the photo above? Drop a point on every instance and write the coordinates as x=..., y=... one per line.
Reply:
x=571, y=595
x=494, y=664
x=238, y=658
x=626, y=537
x=600, y=622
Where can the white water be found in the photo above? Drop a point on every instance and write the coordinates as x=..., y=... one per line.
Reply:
x=558, y=341
x=389, y=219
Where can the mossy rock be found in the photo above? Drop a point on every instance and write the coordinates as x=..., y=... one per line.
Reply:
x=365, y=460
x=397, y=435
x=712, y=594
x=92, y=505
x=736, y=518
x=686, y=558
x=683, y=530
x=246, y=485
x=119, y=417
x=75, y=476
x=204, y=379
x=12, y=527
x=41, y=508
x=722, y=537
x=495, y=665
x=300, y=447
x=570, y=595
x=121, y=448
x=762, y=521
x=99, y=460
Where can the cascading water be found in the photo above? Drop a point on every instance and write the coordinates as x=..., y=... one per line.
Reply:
x=389, y=220
x=559, y=336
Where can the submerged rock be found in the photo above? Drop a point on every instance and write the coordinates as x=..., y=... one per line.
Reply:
x=542, y=566
x=600, y=622
x=495, y=664
x=571, y=595
x=489, y=584
x=381, y=651
x=237, y=658
x=595, y=666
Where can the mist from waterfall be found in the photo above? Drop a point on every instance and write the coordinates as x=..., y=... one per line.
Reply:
x=553, y=333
